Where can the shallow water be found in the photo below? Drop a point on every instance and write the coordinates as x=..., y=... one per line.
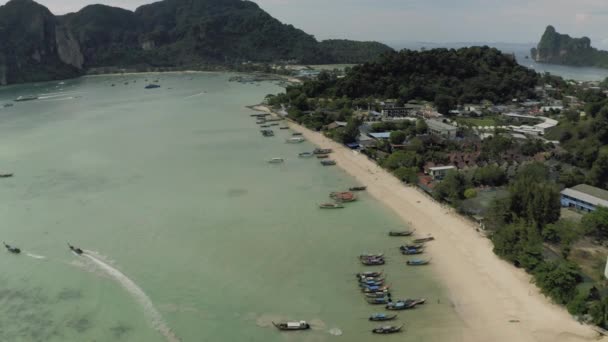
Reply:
x=191, y=235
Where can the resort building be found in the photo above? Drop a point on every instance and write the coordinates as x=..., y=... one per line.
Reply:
x=584, y=197
x=439, y=172
x=441, y=128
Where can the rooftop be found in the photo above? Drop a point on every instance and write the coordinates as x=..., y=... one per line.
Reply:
x=380, y=135
x=589, y=194
x=441, y=168
x=438, y=125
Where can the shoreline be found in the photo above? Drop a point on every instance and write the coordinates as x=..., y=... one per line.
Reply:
x=494, y=300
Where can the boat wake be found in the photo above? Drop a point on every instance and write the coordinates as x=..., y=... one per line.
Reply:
x=35, y=256
x=196, y=95
x=150, y=311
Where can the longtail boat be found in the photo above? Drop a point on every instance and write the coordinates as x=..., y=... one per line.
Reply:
x=401, y=233
x=328, y=162
x=401, y=305
x=411, y=251
x=345, y=196
x=291, y=326
x=378, y=317
x=378, y=301
x=369, y=274
x=322, y=151
x=373, y=262
x=418, y=262
x=331, y=206
x=358, y=188
x=389, y=329
x=423, y=240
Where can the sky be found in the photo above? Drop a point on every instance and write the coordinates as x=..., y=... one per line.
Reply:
x=440, y=21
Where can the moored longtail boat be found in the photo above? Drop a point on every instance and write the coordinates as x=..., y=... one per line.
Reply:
x=389, y=329
x=369, y=274
x=379, y=317
x=378, y=301
x=358, y=188
x=292, y=326
x=401, y=233
x=401, y=305
x=418, y=262
x=423, y=240
x=331, y=206
x=328, y=162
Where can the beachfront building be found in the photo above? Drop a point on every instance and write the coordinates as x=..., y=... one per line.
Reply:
x=584, y=197
x=439, y=172
x=441, y=128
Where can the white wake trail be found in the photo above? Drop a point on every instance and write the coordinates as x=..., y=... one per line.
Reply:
x=196, y=95
x=35, y=256
x=150, y=311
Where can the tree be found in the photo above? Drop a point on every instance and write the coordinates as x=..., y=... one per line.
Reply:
x=397, y=137
x=571, y=177
x=598, y=176
x=596, y=222
x=558, y=280
x=402, y=159
x=470, y=193
x=421, y=127
x=491, y=175
x=407, y=174
x=444, y=103
x=351, y=131
x=451, y=187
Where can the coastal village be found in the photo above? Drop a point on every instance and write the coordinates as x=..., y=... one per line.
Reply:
x=469, y=156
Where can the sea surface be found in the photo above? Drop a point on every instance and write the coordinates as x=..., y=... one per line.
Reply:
x=189, y=234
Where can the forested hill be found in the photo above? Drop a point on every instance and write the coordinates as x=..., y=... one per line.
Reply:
x=36, y=45
x=556, y=48
x=445, y=76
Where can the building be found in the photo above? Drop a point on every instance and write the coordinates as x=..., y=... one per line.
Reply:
x=584, y=197
x=380, y=135
x=392, y=112
x=439, y=172
x=441, y=128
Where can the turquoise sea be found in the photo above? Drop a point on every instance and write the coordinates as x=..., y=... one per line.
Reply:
x=189, y=233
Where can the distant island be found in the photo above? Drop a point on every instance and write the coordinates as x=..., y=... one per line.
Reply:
x=556, y=48
x=36, y=45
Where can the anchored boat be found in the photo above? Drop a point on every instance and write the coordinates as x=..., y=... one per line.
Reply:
x=276, y=161
x=331, y=206
x=401, y=232
x=378, y=317
x=292, y=326
x=389, y=329
x=418, y=262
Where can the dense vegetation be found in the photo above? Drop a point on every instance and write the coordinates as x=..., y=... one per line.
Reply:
x=446, y=77
x=169, y=33
x=562, y=49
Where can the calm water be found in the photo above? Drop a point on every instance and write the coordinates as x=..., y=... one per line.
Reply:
x=190, y=234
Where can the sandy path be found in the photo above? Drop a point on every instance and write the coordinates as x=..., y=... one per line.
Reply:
x=486, y=292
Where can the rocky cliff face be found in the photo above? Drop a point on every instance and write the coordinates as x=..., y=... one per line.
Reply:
x=35, y=45
x=556, y=48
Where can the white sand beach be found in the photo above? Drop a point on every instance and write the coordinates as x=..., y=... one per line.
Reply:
x=495, y=300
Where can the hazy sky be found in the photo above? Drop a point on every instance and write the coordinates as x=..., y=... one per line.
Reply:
x=519, y=21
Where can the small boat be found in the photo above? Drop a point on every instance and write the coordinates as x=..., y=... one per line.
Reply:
x=265, y=126
x=305, y=155
x=418, y=262
x=414, y=246
x=369, y=274
x=6, y=175
x=284, y=127
x=296, y=134
x=75, y=249
x=372, y=262
x=419, y=301
x=274, y=124
x=401, y=233
x=295, y=140
x=401, y=305
x=292, y=326
x=267, y=133
x=379, y=317
x=389, y=329
x=150, y=86
x=26, y=98
x=378, y=301
x=343, y=196
x=379, y=294
x=276, y=161
x=371, y=283
x=412, y=251
x=374, y=289
x=423, y=240
x=322, y=156
x=328, y=162
x=331, y=206
x=371, y=256
x=6, y=105
x=322, y=151
x=12, y=249
x=366, y=279
x=358, y=188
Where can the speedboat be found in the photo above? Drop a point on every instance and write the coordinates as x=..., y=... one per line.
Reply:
x=12, y=249
x=75, y=249
x=291, y=326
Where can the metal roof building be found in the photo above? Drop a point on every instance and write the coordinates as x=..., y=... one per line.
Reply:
x=584, y=197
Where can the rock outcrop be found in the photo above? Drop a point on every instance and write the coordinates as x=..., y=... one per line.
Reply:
x=556, y=48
